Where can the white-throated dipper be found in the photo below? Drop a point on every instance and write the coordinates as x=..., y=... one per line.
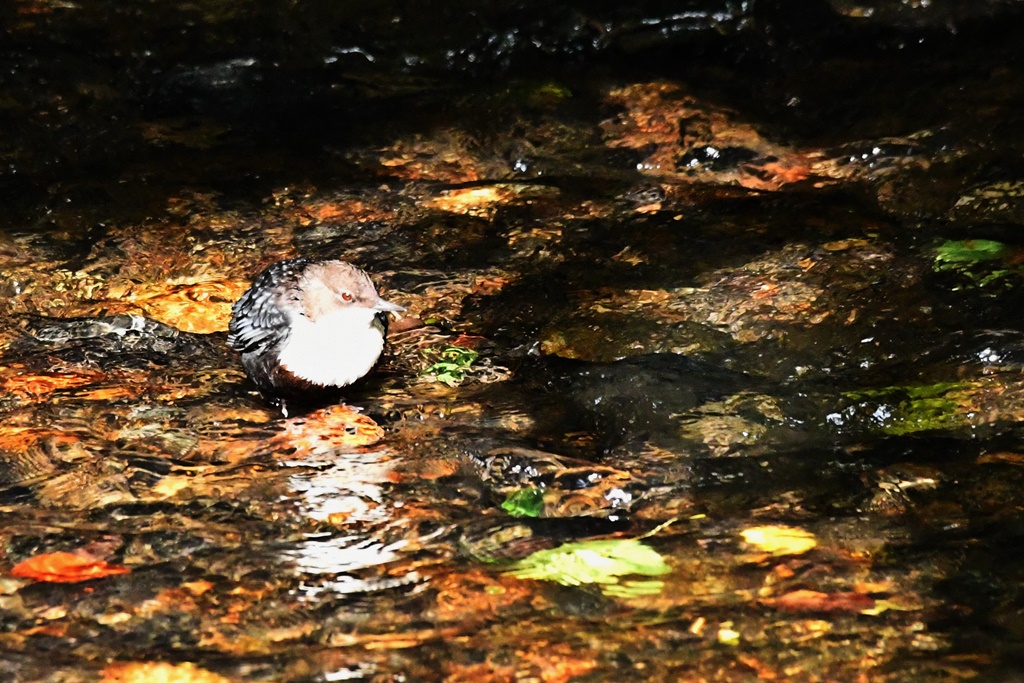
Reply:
x=305, y=326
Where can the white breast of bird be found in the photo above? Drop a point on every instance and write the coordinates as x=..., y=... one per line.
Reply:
x=336, y=349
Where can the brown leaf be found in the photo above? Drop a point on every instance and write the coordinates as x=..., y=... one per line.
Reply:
x=763, y=671
x=425, y=469
x=405, y=323
x=815, y=601
x=468, y=341
x=489, y=285
x=783, y=173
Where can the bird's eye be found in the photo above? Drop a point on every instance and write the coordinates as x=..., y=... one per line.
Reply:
x=347, y=296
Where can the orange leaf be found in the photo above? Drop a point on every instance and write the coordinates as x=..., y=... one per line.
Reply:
x=159, y=672
x=783, y=172
x=39, y=385
x=327, y=429
x=65, y=568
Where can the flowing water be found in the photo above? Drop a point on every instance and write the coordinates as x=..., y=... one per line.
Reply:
x=711, y=369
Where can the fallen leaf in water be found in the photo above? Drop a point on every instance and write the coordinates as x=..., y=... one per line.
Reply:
x=895, y=604
x=763, y=671
x=600, y=562
x=64, y=567
x=53, y=630
x=32, y=385
x=170, y=485
x=780, y=540
x=843, y=245
x=526, y=502
x=468, y=341
x=713, y=145
x=488, y=285
x=427, y=468
x=327, y=429
x=446, y=156
x=110, y=393
x=197, y=587
x=340, y=209
x=159, y=672
x=475, y=201
x=815, y=601
x=728, y=635
x=777, y=174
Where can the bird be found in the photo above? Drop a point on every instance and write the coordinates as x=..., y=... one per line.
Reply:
x=306, y=326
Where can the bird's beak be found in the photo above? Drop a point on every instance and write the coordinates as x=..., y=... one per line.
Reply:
x=388, y=307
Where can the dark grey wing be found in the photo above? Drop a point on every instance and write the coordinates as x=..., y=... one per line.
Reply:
x=257, y=322
x=380, y=321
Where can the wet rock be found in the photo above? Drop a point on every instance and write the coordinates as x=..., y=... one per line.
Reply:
x=614, y=336
x=689, y=140
x=998, y=202
x=633, y=400
x=124, y=341
x=505, y=540
x=538, y=484
x=918, y=15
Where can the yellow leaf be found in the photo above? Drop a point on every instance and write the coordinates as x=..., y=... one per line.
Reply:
x=170, y=485
x=728, y=636
x=780, y=540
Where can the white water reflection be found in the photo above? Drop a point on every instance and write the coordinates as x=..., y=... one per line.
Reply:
x=348, y=489
x=349, y=485
x=346, y=553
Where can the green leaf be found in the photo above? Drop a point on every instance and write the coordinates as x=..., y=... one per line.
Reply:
x=968, y=251
x=972, y=260
x=525, y=502
x=453, y=364
x=633, y=589
x=596, y=562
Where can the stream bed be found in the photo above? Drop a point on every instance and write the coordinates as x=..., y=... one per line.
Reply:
x=711, y=369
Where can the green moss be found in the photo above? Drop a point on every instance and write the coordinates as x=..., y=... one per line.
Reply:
x=970, y=258
x=912, y=409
